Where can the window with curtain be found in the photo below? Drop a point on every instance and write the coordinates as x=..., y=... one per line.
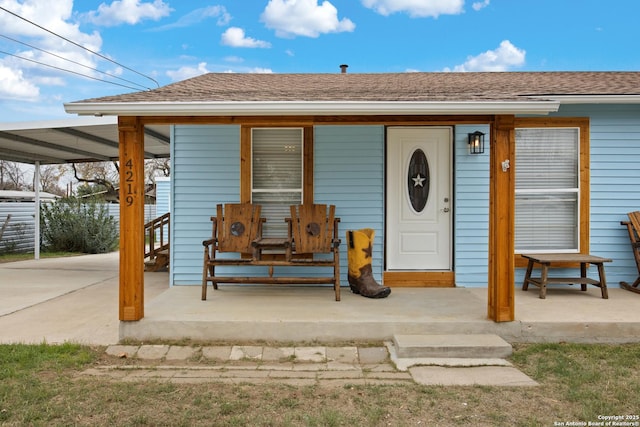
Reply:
x=547, y=190
x=276, y=175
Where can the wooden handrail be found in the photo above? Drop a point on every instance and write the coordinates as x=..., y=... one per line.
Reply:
x=154, y=231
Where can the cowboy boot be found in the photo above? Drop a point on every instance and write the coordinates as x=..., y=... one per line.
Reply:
x=360, y=276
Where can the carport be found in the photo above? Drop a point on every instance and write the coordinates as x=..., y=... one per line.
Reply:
x=76, y=140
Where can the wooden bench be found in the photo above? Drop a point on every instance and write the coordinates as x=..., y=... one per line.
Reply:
x=547, y=260
x=237, y=228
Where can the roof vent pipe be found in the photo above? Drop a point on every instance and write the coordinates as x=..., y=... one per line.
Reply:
x=343, y=68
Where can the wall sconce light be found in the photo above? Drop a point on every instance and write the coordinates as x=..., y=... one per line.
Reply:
x=476, y=142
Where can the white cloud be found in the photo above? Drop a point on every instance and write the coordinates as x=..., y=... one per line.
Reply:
x=184, y=73
x=416, y=8
x=117, y=71
x=235, y=37
x=187, y=72
x=196, y=16
x=505, y=57
x=129, y=12
x=28, y=77
x=13, y=85
x=480, y=5
x=290, y=18
x=254, y=70
x=48, y=81
x=54, y=16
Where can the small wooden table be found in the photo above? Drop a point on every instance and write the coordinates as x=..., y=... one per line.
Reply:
x=269, y=243
x=546, y=260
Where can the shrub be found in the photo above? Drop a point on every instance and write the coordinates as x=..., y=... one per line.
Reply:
x=74, y=226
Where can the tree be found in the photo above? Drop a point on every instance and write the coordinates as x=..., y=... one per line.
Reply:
x=94, y=178
x=156, y=167
x=99, y=177
x=103, y=177
x=50, y=177
x=12, y=176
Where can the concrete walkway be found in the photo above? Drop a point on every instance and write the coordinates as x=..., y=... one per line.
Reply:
x=297, y=366
x=73, y=299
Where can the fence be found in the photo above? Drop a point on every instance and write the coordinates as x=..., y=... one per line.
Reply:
x=17, y=224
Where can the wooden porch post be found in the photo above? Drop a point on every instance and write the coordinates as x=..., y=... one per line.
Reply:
x=131, y=135
x=501, y=220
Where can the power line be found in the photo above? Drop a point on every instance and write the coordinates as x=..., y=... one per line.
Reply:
x=80, y=46
x=70, y=60
x=68, y=71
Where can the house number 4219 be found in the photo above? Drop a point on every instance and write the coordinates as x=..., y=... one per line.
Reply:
x=128, y=180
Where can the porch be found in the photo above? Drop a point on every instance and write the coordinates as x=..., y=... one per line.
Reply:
x=294, y=314
x=76, y=299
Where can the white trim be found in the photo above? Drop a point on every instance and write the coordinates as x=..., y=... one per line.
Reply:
x=62, y=123
x=17, y=195
x=296, y=108
x=592, y=99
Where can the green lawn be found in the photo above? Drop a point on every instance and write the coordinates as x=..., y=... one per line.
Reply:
x=40, y=385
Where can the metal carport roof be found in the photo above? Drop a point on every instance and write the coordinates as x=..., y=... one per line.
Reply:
x=81, y=139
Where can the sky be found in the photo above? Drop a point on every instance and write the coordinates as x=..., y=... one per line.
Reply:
x=57, y=51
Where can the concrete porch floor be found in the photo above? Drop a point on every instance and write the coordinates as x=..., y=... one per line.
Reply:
x=76, y=299
x=310, y=314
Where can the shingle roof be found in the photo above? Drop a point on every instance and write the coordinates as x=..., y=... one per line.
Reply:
x=387, y=87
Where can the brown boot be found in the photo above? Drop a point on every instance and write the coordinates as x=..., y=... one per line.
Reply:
x=360, y=276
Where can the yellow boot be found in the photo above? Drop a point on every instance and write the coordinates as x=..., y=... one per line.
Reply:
x=360, y=275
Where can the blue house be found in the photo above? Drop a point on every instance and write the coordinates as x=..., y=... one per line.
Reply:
x=516, y=163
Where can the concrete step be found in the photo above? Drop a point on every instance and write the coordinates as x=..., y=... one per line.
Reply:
x=451, y=346
x=161, y=262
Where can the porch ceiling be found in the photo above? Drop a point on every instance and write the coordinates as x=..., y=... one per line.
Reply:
x=84, y=139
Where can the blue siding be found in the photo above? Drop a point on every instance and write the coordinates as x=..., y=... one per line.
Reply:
x=163, y=200
x=614, y=174
x=349, y=173
x=471, y=198
x=205, y=171
x=206, y=162
x=163, y=191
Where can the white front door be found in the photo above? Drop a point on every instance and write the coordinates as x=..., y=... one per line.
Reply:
x=418, y=198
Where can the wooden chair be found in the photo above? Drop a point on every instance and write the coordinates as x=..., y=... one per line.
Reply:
x=234, y=229
x=633, y=227
x=313, y=230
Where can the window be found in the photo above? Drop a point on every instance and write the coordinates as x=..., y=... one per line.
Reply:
x=552, y=185
x=547, y=190
x=276, y=174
